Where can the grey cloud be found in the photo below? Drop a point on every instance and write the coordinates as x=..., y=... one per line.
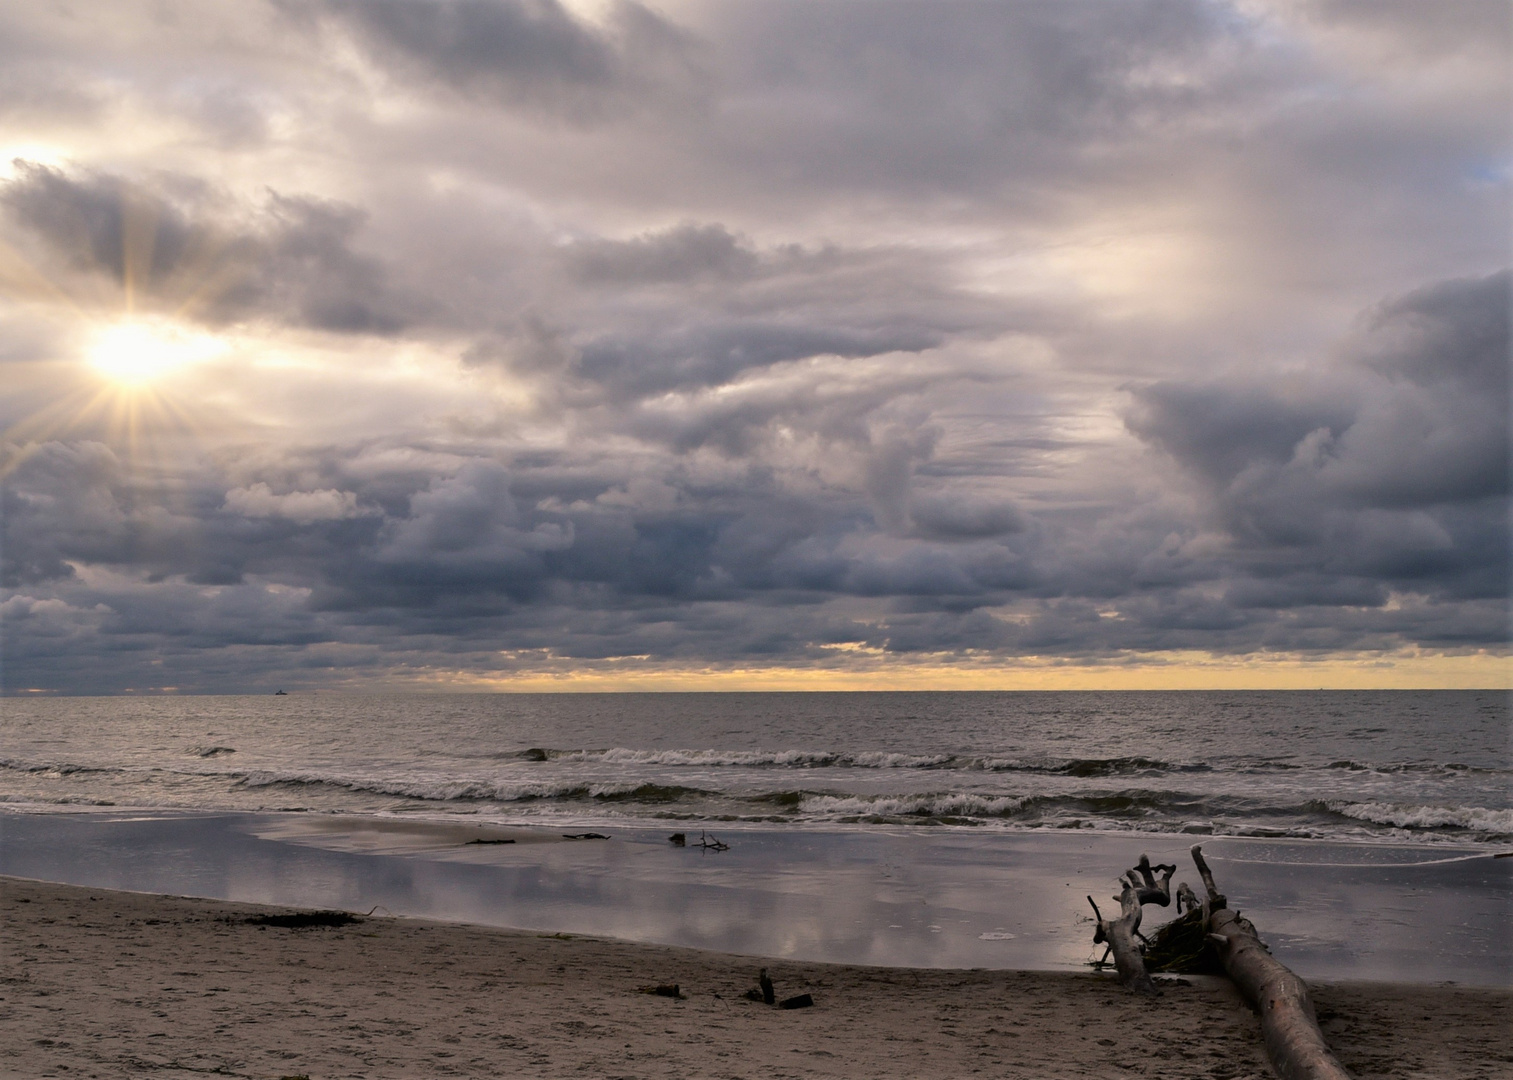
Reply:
x=964, y=517
x=639, y=327
x=695, y=306
x=1449, y=332
x=534, y=54
x=708, y=354
x=180, y=247
x=864, y=392
x=1306, y=590
x=103, y=224
x=686, y=253
x=1467, y=26
x=313, y=270
x=79, y=503
x=888, y=474
x=1397, y=471
x=980, y=97
x=1434, y=431
x=1221, y=430
x=60, y=490
x=747, y=420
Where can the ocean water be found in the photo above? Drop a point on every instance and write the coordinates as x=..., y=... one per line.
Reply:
x=1425, y=767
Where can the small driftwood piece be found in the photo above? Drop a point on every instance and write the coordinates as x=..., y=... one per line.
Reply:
x=767, y=995
x=1294, y=1043
x=670, y=990
x=1119, y=934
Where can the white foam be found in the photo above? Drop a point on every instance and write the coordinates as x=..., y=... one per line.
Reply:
x=793, y=759
x=442, y=789
x=928, y=805
x=1407, y=816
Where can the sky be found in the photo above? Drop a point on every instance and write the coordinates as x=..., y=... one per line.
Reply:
x=549, y=345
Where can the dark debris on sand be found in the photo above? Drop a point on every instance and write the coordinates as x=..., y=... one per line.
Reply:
x=303, y=920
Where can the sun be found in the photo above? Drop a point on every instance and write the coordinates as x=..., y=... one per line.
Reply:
x=139, y=352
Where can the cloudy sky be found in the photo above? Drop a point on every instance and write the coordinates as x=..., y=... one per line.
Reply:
x=547, y=344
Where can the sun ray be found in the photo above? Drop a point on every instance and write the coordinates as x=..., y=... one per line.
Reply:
x=132, y=349
x=139, y=233
x=20, y=279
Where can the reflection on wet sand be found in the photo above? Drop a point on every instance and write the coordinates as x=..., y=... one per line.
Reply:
x=912, y=898
x=387, y=835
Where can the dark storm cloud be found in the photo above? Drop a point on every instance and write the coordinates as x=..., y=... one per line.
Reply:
x=64, y=491
x=79, y=503
x=1449, y=332
x=589, y=557
x=1425, y=423
x=1397, y=472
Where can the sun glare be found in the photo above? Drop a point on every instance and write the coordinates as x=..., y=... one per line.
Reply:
x=139, y=352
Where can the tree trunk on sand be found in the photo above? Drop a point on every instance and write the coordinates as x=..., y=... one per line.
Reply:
x=1294, y=1043
x=1120, y=935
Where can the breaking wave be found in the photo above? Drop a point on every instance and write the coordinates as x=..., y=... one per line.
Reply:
x=1392, y=768
x=1478, y=819
x=832, y=759
x=944, y=806
x=56, y=768
x=1430, y=803
x=464, y=790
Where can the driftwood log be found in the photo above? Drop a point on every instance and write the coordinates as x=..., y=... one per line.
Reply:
x=1211, y=937
x=1120, y=934
x=1294, y=1043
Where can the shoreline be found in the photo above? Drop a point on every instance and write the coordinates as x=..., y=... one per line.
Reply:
x=114, y=984
x=930, y=899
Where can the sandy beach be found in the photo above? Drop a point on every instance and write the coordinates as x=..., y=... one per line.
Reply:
x=95, y=983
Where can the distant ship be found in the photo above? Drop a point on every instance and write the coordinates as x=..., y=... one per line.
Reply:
x=280, y=693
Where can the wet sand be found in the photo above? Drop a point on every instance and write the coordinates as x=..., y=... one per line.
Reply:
x=927, y=898
x=96, y=983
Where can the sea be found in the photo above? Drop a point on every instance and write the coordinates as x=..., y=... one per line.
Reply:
x=1362, y=832
x=1419, y=768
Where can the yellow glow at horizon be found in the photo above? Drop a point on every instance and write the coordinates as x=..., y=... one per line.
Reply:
x=136, y=352
x=1408, y=669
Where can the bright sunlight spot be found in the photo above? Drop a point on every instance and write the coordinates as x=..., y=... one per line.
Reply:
x=139, y=351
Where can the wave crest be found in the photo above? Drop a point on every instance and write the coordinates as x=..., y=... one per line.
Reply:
x=1479, y=819
x=464, y=790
